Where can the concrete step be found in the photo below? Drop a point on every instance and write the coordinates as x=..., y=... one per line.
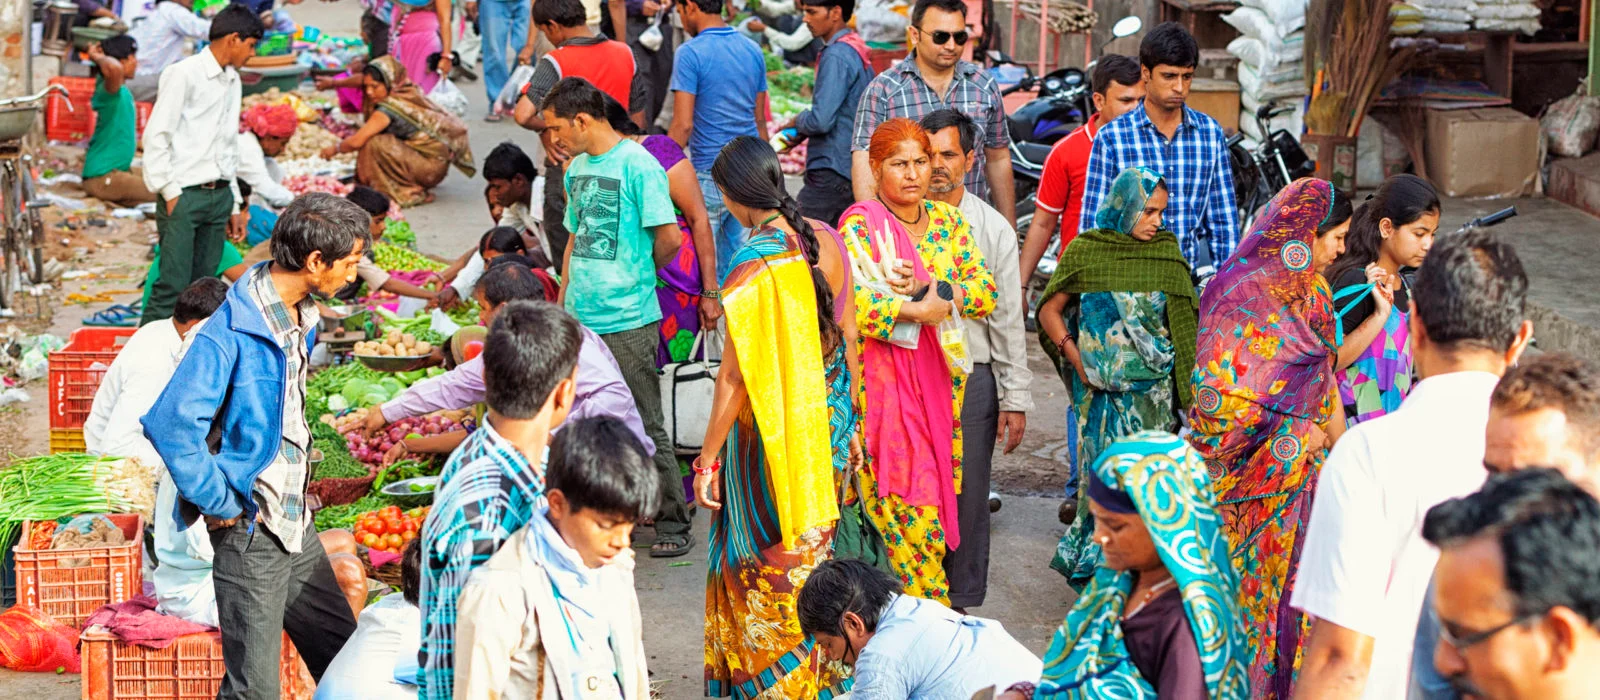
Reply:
x=1576, y=181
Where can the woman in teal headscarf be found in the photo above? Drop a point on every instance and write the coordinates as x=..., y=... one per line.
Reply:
x=1119, y=321
x=1160, y=618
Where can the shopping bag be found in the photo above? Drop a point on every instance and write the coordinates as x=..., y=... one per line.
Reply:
x=449, y=98
x=507, y=100
x=687, y=389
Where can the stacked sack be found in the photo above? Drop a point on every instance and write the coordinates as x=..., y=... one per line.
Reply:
x=1445, y=16
x=1408, y=19
x=1506, y=16
x=1271, y=53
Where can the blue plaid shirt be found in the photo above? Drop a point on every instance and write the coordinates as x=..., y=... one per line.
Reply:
x=490, y=490
x=1198, y=172
x=280, y=490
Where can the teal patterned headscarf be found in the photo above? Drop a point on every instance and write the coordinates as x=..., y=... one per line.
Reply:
x=1122, y=208
x=1168, y=484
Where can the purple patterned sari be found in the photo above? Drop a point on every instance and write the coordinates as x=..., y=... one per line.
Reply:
x=678, y=284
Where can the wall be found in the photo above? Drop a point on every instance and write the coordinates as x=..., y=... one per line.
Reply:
x=16, y=35
x=1024, y=47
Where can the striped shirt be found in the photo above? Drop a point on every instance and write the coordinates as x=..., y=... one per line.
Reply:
x=281, y=489
x=1198, y=172
x=901, y=92
x=490, y=490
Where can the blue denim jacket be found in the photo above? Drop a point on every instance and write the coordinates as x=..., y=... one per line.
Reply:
x=227, y=392
x=830, y=122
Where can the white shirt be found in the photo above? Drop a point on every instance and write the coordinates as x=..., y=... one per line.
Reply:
x=130, y=387
x=1365, y=566
x=192, y=135
x=386, y=632
x=261, y=172
x=163, y=36
x=999, y=338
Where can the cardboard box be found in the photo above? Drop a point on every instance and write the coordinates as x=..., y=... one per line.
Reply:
x=1218, y=99
x=1490, y=152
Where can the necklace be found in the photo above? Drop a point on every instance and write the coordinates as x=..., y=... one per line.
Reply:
x=1150, y=595
x=896, y=214
x=768, y=220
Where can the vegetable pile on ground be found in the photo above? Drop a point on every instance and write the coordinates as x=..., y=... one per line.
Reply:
x=371, y=450
x=389, y=528
x=347, y=516
x=60, y=485
x=301, y=184
x=398, y=232
x=393, y=257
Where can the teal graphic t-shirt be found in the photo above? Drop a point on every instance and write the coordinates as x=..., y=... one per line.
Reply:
x=613, y=201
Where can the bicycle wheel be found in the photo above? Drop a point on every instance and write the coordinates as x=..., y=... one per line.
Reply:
x=33, y=235
x=15, y=217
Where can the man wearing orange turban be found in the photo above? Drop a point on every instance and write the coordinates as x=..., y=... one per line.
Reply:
x=264, y=131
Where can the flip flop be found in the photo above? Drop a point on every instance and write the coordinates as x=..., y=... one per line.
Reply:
x=678, y=545
x=116, y=316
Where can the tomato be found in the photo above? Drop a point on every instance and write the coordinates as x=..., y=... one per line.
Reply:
x=412, y=526
x=370, y=540
x=393, y=527
x=390, y=511
x=393, y=541
x=408, y=537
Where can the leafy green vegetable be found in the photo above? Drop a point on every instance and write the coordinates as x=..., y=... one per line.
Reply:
x=345, y=516
x=399, y=233
x=399, y=471
x=336, y=460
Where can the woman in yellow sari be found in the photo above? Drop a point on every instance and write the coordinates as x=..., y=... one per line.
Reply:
x=408, y=143
x=912, y=435
x=780, y=430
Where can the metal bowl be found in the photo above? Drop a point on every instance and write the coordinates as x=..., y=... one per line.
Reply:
x=16, y=122
x=390, y=363
x=401, y=491
x=348, y=317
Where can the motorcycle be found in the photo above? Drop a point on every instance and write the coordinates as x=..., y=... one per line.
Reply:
x=1259, y=175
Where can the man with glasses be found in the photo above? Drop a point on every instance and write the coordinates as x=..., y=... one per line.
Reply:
x=1365, y=569
x=1516, y=595
x=932, y=78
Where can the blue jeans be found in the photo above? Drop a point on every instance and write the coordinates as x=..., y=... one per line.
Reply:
x=725, y=230
x=504, y=24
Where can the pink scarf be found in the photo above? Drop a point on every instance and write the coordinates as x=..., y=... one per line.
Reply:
x=854, y=41
x=910, y=417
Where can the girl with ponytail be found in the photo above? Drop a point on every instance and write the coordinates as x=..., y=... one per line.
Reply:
x=782, y=424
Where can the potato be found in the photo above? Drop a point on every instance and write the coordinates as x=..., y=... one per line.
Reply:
x=385, y=351
x=402, y=351
x=422, y=348
x=408, y=339
x=393, y=338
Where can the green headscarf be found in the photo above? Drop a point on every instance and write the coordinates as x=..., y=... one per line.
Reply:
x=1109, y=259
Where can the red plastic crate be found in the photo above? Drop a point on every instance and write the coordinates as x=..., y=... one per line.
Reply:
x=76, y=371
x=77, y=124
x=70, y=584
x=141, y=111
x=190, y=669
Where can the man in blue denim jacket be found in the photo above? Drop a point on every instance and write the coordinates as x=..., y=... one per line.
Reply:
x=231, y=428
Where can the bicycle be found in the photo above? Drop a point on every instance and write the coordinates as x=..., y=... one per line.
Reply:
x=23, y=254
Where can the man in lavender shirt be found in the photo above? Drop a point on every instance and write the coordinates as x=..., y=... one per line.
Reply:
x=600, y=390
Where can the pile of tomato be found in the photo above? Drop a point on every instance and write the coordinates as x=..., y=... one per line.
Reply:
x=390, y=529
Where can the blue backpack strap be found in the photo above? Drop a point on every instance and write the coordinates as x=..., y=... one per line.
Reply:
x=1356, y=293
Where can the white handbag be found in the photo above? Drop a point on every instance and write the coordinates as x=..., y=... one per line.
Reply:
x=687, y=391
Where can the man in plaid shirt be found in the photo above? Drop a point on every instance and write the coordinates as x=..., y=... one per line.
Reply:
x=933, y=78
x=1187, y=147
x=496, y=477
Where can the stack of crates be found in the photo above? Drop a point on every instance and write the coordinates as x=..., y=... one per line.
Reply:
x=74, y=378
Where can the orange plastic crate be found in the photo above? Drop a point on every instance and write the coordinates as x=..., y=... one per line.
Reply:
x=190, y=669
x=66, y=440
x=76, y=371
x=70, y=584
x=60, y=124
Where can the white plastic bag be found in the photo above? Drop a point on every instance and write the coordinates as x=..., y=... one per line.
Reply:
x=1571, y=124
x=1518, y=11
x=953, y=338
x=507, y=100
x=651, y=37
x=449, y=98
x=1287, y=15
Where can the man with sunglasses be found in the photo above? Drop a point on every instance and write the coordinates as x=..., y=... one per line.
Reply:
x=932, y=78
x=1365, y=568
x=1516, y=595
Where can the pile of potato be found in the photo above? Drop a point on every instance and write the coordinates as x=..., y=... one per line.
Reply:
x=309, y=140
x=395, y=344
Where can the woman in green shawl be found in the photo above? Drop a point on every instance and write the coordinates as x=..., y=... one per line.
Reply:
x=1118, y=319
x=1160, y=618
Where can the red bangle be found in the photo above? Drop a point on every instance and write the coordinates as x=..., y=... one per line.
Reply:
x=716, y=465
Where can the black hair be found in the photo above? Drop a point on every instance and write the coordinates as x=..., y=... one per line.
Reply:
x=710, y=7
x=318, y=222
x=1169, y=44
x=921, y=9
x=236, y=19
x=1471, y=292
x=507, y=161
x=600, y=465
x=1402, y=199
x=120, y=46
x=847, y=8
x=200, y=299
x=411, y=572
x=532, y=346
x=838, y=586
x=1339, y=211
x=1558, y=381
x=618, y=116
x=573, y=96
x=502, y=239
x=372, y=71
x=245, y=190
x=505, y=281
x=747, y=172
x=566, y=13
x=941, y=119
x=1548, y=530
x=1123, y=70
x=375, y=31
x=373, y=202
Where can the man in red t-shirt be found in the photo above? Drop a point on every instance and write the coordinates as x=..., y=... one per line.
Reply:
x=1118, y=88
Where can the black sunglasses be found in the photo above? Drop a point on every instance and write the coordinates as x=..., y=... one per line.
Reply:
x=940, y=38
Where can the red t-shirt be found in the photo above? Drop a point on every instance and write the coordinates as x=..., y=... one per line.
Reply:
x=608, y=64
x=1061, y=186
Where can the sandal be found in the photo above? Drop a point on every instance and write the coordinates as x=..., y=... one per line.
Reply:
x=494, y=117
x=118, y=316
x=668, y=546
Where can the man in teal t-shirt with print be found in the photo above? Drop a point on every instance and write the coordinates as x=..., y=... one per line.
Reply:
x=623, y=228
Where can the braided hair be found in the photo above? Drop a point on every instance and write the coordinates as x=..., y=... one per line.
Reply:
x=747, y=172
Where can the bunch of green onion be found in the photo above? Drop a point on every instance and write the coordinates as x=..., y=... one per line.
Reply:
x=61, y=485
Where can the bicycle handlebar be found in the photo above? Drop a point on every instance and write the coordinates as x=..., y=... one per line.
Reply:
x=1497, y=217
x=36, y=97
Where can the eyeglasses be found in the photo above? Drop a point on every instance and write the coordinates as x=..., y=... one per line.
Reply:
x=940, y=38
x=1461, y=644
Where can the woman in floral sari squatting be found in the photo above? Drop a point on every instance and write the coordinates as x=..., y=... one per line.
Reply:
x=781, y=431
x=1118, y=319
x=1160, y=617
x=1266, y=410
x=911, y=398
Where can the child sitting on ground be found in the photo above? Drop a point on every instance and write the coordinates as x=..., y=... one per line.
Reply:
x=553, y=613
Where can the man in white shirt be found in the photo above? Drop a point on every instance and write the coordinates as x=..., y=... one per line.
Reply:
x=267, y=129
x=997, y=398
x=1365, y=569
x=164, y=37
x=191, y=155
